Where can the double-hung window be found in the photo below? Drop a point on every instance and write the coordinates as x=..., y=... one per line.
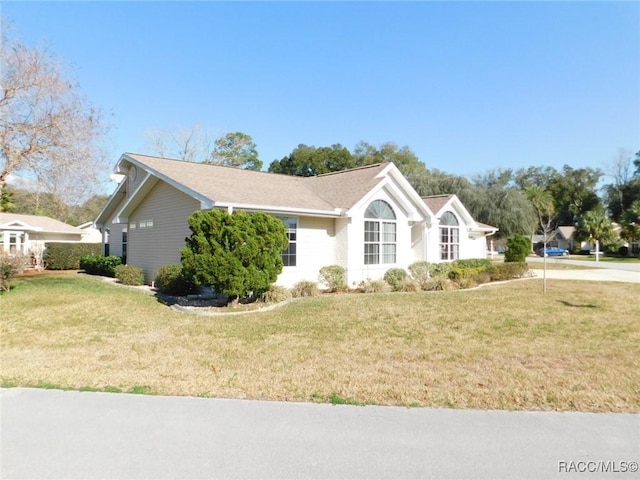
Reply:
x=379, y=233
x=289, y=254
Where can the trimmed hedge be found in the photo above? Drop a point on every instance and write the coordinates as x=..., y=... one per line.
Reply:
x=66, y=256
x=518, y=248
x=129, y=275
x=507, y=270
x=171, y=280
x=99, y=265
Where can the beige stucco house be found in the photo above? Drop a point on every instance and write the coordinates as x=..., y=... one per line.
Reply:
x=367, y=219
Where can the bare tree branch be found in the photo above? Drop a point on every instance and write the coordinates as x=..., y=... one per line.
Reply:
x=48, y=128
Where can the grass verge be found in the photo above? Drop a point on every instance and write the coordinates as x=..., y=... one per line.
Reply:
x=501, y=347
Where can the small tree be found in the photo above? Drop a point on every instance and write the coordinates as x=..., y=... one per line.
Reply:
x=631, y=223
x=594, y=225
x=235, y=254
x=518, y=247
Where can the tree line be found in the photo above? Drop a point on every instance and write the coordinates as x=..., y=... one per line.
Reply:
x=53, y=135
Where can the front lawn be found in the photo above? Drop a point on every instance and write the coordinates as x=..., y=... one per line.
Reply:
x=499, y=347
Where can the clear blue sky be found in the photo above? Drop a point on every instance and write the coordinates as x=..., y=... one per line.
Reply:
x=468, y=86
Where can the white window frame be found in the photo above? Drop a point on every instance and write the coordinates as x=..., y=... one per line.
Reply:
x=290, y=254
x=380, y=234
x=449, y=237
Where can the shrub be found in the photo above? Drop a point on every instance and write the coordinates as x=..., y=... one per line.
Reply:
x=623, y=251
x=334, y=277
x=276, y=294
x=467, y=283
x=66, y=256
x=419, y=271
x=375, y=286
x=235, y=254
x=129, y=275
x=506, y=271
x=408, y=285
x=171, y=280
x=436, y=283
x=394, y=276
x=99, y=265
x=305, y=288
x=478, y=263
x=9, y=267
x=439, y=269
x=483, y=277
x=460, y=273
x=518, y=248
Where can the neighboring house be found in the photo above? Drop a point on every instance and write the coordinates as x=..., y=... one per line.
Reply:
x=28, y=234
x=564, y=237
x=90, y=234
x=367, y=219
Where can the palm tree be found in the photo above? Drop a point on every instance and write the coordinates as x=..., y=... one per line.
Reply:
x=594, y=225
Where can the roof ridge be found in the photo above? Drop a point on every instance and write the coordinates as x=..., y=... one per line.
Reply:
x=214, y=165
x=361, y=167
x=439, y=195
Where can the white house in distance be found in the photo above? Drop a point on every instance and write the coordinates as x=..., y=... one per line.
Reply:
x=28, y=234
x=367, y=219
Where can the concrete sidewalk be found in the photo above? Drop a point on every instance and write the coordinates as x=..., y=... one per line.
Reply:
x=76, y=435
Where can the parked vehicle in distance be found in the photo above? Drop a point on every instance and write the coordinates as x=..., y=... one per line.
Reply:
x=552, y=252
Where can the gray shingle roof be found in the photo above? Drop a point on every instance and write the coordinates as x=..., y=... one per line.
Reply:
x=237, y=186
x=436, y=202
x=46, y=224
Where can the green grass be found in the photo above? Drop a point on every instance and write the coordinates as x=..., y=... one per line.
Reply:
x=499, y=347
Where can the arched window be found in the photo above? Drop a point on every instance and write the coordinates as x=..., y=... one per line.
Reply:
x=379, y=233
x=449, y=237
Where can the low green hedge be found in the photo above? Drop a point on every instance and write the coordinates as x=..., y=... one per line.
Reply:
x=66, y=256
x=129, y=275
x=507, y=270
x=99, y=265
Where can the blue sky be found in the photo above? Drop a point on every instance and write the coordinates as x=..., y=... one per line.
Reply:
x=468, y=86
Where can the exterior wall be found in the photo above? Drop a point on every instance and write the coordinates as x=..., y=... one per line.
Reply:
x=472, y=248
x=134, y=183
x=152, y=247
x=469, y=247
x=316, y=248
x=357, y=271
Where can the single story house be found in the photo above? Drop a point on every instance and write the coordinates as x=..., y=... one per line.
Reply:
x=90, y=234
x=367, y=219
x=28, y=234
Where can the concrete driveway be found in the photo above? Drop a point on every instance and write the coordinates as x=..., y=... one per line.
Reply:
x=594, y=271
x=80, y=435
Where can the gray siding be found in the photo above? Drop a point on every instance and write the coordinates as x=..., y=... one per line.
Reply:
x=151, y=248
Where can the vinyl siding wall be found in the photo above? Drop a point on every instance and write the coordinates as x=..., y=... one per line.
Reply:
x=357, y=271
x=152, y=247
x=315, y=249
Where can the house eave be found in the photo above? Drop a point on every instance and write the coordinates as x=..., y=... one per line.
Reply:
x=281, y=210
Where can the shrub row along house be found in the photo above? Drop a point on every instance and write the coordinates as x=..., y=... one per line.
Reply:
x=366, y=219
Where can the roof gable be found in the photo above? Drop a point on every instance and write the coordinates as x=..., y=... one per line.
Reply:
x=35, y=223
x=330, y=194
x=439, y=204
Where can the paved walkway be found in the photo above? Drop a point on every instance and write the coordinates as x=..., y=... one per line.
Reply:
x=596, y=274
x=81, y=435
x=594, y=271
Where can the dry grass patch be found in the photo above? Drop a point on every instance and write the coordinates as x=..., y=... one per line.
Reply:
x=503, y=346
